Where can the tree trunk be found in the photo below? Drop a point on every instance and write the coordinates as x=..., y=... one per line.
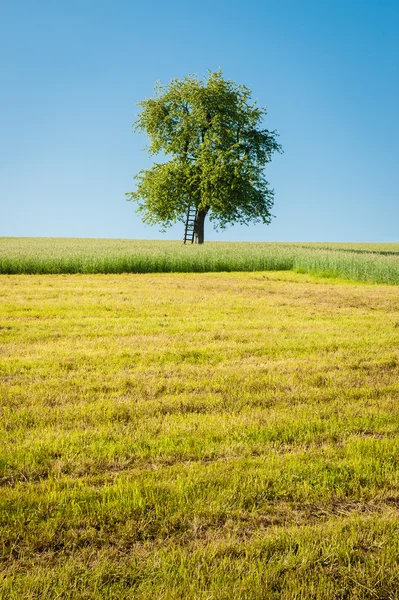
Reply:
x=199, y=227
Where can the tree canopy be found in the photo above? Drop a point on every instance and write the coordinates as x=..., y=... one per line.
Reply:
x=214, y=151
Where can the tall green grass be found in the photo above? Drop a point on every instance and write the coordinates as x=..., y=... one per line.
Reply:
x=377, y=263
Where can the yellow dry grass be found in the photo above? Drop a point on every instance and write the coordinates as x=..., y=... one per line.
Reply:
x=198, y=436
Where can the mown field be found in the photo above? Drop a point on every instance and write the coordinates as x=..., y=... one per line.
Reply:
x=198, y=436
x=377, y=263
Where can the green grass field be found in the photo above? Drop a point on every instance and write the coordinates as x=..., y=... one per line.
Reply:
x=377, y=263
x=198, y=436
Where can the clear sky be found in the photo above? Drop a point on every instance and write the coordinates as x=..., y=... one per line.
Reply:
x=72, y=71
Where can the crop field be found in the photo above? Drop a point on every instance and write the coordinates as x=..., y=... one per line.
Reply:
x=210, y=436
x=377, y=263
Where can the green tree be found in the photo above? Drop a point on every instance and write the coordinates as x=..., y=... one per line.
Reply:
x=215, y=149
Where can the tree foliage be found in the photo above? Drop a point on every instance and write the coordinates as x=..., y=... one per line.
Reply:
x=215, y=149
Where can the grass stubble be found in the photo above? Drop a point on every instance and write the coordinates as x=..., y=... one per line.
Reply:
x=207, y=436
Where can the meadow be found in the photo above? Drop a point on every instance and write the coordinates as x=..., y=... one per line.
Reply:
x=377, y=263
x=197, y=435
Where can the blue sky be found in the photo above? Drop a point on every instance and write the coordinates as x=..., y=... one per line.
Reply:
x=72, y=72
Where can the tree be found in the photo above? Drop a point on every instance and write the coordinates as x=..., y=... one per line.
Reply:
x=211, y=132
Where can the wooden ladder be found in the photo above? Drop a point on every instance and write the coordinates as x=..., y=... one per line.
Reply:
x=191, y=219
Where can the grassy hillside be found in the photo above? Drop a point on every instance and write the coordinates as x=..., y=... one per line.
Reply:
x=378, y=263
x=202, y=436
